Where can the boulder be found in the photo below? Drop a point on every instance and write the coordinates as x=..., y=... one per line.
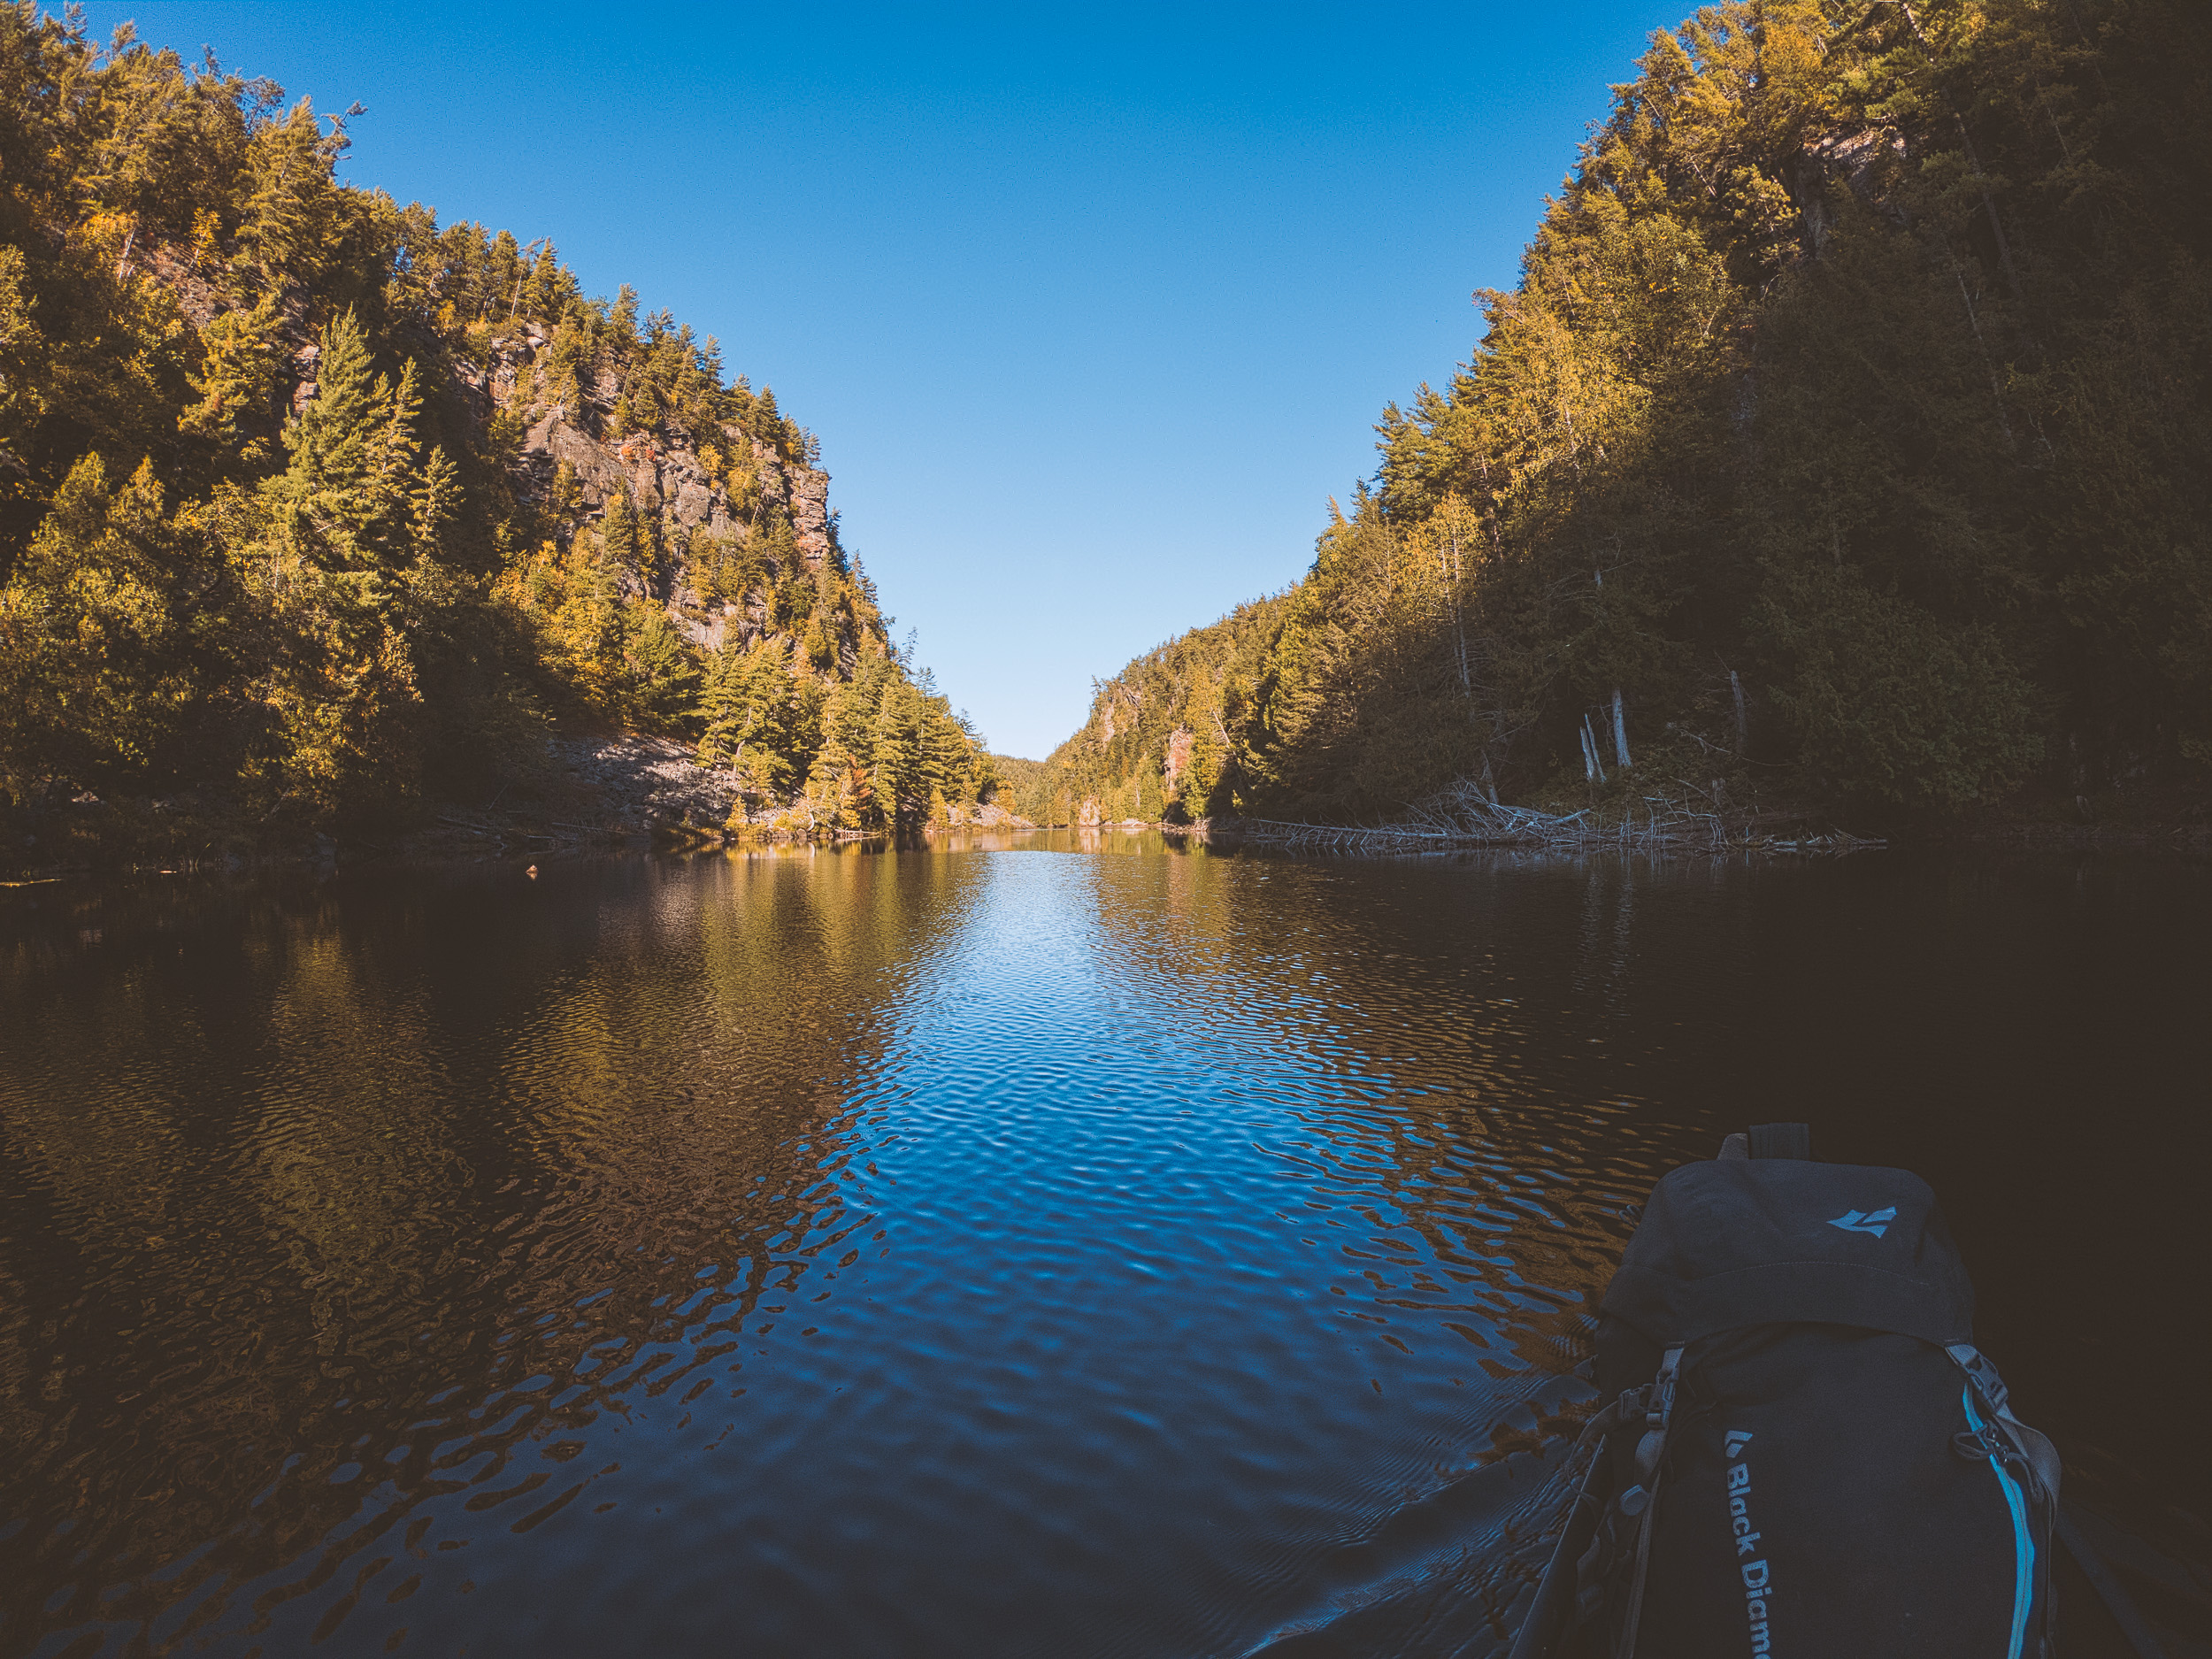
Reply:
x=695, y=502
x=1179, y=742
x=598, y=473
x=810, y=512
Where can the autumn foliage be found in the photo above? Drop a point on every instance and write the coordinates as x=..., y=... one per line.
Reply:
x=1848, y=429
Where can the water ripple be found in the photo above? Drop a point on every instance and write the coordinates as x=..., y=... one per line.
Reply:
x=954, y=1252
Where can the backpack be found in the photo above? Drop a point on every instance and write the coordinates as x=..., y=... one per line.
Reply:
x=1804, y=1455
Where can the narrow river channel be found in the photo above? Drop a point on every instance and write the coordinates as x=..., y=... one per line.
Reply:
x=1056, y=1245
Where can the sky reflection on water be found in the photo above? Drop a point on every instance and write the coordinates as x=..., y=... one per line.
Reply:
x=1094, y=1250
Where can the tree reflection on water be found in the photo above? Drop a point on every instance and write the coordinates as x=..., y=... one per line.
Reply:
x=1075, y=1242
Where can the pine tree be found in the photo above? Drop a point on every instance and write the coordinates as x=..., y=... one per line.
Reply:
x=626, y=536
x=545, y=292
x=747, y=706
x=338, y=533
x=664, y=674
x=1200, y=777
x=289, y=208
x=237, y=378
x=95, y=676
x=894, y=751
x=840, y=793
x=339, y=440
x=433, y=503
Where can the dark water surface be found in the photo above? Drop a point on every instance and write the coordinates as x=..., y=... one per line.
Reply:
x=1028, y=1249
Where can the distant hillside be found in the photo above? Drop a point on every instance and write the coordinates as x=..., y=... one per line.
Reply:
x=1021, y=785
x=312, y=505
x=1165, y=735
x=1847, y=434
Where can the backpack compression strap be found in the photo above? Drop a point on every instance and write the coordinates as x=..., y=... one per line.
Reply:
x=1641, y=1499
x=2029, y=1447
x=2013, y=1450
x=2040, y=1457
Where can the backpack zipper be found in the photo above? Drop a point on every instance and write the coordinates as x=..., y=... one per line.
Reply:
x=2023, y=1543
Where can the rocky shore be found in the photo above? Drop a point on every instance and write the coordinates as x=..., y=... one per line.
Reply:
x=602, y=792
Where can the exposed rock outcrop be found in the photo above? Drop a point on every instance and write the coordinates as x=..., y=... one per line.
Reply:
x=665, y=474
x=639, y=784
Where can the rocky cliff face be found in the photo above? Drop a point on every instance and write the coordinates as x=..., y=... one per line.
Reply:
x=328, y=512
x=665, y=475
x=719, y=486
x=691, y=486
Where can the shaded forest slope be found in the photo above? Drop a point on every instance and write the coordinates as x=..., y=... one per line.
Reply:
x=311, y=509
x=1846, y=435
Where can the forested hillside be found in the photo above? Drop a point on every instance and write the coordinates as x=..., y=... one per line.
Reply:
x=315, y=506
x=1847, y=433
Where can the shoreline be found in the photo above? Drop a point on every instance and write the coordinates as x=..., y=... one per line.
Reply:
x=606, y=793
x=593, y=794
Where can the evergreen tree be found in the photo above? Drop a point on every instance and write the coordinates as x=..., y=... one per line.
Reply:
x=96, y=672
x=747, y=707
x=663, y=674
x=894, y=752
x=1839, y=416
x=237, y=378
x=300, y=606
x=334, y=567
x=839, y=794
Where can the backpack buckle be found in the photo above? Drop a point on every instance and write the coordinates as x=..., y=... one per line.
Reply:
x=1984, y=1375
x=1663, y=1390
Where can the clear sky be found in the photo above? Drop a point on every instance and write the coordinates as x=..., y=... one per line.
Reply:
x=1092, y=308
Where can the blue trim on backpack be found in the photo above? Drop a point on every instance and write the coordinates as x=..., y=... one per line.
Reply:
x=2022, y=1544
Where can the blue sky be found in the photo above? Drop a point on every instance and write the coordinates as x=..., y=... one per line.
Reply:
x=1092, y=309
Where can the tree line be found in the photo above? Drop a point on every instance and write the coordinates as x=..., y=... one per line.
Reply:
x=272, y=525
x=1846, y=435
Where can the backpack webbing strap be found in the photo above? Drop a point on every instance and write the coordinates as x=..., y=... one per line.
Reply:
x=1650, y=1451
x=2014, y=1442
x=2033, y=1449
x=2041, y=1458
x=1557, y=1606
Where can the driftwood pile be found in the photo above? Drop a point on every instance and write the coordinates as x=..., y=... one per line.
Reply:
x=1463, y=816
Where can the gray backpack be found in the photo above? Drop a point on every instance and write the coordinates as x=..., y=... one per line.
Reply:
x=1803, y=1454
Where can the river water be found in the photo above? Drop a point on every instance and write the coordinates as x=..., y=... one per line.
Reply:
x=1057, y=1245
